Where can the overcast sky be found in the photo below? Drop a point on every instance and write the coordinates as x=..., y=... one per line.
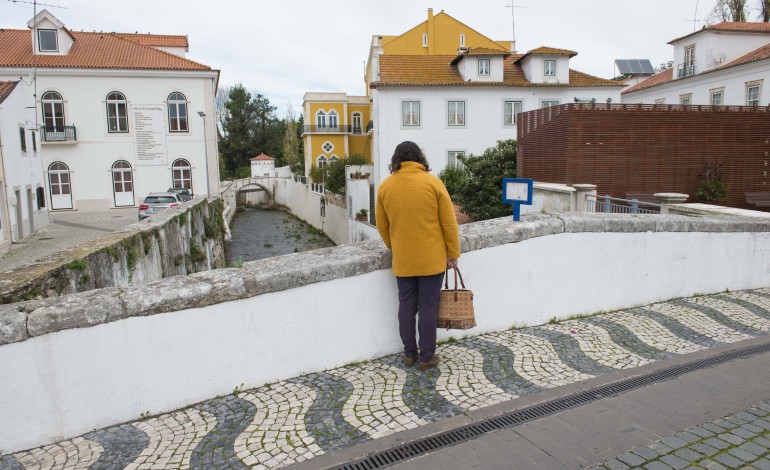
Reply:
x=284, y=48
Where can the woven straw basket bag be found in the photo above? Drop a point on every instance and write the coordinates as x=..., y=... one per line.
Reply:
x=455, y=306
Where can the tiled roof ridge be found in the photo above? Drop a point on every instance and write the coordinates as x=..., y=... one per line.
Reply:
x=130, y=36
x=664, y=76
x=730, y=26
x=155, y=49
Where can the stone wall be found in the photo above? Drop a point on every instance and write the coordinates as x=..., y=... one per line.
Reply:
x=90, y=360
x=183, y=240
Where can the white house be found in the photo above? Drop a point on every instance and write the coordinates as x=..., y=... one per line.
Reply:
x=262, y=165
x=461, y=104
x=22, y=195
x=721, y=64
x=121, y=115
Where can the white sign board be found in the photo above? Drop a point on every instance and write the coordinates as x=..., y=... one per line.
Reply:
x=150, y=134
x=517, y=191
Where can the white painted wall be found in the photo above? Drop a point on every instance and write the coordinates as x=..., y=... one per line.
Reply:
x=712, y=46
x=484, y=118
x=22, y=171
x=64, y=384
x=90, y=158
x=468, y=67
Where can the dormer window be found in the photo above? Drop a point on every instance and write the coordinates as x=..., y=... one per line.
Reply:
x=549, y=69
x=47, y=40
x=483, y=66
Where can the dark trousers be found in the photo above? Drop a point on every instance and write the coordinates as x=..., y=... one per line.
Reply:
x=418, y=294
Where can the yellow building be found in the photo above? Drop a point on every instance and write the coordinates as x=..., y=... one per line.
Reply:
x=336, y=126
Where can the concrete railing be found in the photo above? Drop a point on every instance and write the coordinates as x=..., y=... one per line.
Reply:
x=87, y=361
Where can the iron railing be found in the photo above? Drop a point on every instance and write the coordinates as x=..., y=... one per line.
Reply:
x=370, y=127
x=327, y=129
x=685, y=70
x=616, y=205
x=58, y=134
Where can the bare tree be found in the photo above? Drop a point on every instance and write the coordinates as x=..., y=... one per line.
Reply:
x=728, y=10
x=220, y=99
x=290, y=144
x=764, y=10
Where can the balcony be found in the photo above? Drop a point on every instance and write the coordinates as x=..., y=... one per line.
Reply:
x=685, y=70
x=370, y=127
x=327, y=129
x=58, y=134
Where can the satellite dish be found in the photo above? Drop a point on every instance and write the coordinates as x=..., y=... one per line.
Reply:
x=720, y=57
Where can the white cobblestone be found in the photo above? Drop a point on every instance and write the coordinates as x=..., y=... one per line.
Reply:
x=462, y=380
x=595, y=342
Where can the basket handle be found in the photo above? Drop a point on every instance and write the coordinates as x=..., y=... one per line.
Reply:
x=446, y=280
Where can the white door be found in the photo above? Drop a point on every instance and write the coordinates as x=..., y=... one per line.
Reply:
x=123, y=184
x=60, y=186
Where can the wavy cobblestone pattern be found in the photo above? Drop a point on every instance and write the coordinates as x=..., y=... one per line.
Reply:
x=79, y=453
x=277, y=433
x=172, y=439
x=295, y=420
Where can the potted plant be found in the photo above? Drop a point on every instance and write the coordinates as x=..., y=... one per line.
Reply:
x=362, y=215
x=357, y=175
x=712, y=188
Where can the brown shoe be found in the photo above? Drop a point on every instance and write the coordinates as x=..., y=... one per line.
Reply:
x=429, y=364
x=409, y=361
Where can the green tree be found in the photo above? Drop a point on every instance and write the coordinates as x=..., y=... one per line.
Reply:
x=454, y=178
x=335, y=172
x=290, y=144
x=481, y=197
x=237, y=145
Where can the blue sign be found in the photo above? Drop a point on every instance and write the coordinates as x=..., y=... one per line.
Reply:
x=517, y=191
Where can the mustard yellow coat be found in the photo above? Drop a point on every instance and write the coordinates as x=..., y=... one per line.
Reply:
x=416, y=221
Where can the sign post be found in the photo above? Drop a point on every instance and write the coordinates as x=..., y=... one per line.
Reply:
x=517, y=191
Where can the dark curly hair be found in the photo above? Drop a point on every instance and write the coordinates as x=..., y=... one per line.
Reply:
x=407, y=151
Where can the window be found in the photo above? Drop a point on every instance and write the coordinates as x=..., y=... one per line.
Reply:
x=327, y=146
x=33, y=134
x=752, y=95
x=549, y=103
x=177, y=112
x=716, y=97
x=122, y=177
x=47, y=40
x=59, y=178
x=320, y=119
x=424, y=39
x=320, y=161
x=333, y=119
x=660, y=101
x=117, y=118
x=685, y=99
x=53, y=112
x=511, y=110
x=23, y=138
x=456, y=113
x=357, y=120
x=462, y=39
x=333, y=159
x=181, y=174
x=40, y=197
x=549, y=69
x=483, y=66
x=452, y=157
x=410, y=113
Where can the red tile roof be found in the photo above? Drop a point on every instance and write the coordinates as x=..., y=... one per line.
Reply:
x=734, y=26
x=552, y=50
x=480, y=51
x=6, y=88
x=657, y=79
x=91, y=50
x=262, y=157
x=157, y=40
x=757, y=54
x=437, y=70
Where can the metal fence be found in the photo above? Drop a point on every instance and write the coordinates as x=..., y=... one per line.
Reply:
x=616, y=205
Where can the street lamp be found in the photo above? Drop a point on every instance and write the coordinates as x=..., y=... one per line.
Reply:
x=205, y=152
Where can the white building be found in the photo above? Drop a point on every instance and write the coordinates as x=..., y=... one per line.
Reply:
x=121, y=115
x=22, y=194
x=462, y=104
x=262, y=165
x=722, y=64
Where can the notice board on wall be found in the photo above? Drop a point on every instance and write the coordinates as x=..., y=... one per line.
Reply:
x=150, y=134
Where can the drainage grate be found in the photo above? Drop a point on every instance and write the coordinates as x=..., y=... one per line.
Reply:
x=406, y=451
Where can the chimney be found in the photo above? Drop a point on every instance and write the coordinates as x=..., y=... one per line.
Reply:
x=430, y=31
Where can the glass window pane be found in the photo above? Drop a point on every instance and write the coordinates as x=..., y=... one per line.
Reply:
x=128, y=186
x=65, y=178
x=54, y=189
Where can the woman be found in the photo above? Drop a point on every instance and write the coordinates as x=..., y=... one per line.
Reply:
x=417, y=222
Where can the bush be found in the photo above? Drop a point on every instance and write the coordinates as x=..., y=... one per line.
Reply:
x=454, y=178
x=481, y=197
x=335, y=172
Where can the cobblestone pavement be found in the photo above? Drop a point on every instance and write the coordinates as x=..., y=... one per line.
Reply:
x=295, y=420
x=741, y=441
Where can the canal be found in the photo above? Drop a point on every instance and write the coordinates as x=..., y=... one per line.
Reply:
x=264, y=233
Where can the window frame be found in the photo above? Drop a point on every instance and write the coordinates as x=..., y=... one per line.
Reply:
x=40, y=41
x=514, y=119
x=122, y=176
x=546, y=68
x=453, y=154
x=334, y=119
x=51, y=114
x=481, y=70
x=449, y=114
x=331, y=146
x=749, y=86
x=462, y=39
x=320, y=119
x=33, y=136
x=424, y=39
x=717, y=92
x=178, y=166
x=113, y=106
x=360, y=117
x=412, y=103
x=23, y=139
x=553, y=103
x=685, y=99
x=177, y=105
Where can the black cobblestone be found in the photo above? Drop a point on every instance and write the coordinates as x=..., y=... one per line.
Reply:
x=498, y=367
x=216, y=449
x=678, y=328
x=122, y=445
x=9, y=462
x=750, y=306
x=626, y=339
x=569, y=352
x=721, y=318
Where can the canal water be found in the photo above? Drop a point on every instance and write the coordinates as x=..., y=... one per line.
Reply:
x=264, y=233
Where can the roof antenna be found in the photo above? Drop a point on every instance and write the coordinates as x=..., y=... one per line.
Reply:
x=36, y=3
x=513, y=24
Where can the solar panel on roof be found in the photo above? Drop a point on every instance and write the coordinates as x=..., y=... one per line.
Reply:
x=634, y=66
